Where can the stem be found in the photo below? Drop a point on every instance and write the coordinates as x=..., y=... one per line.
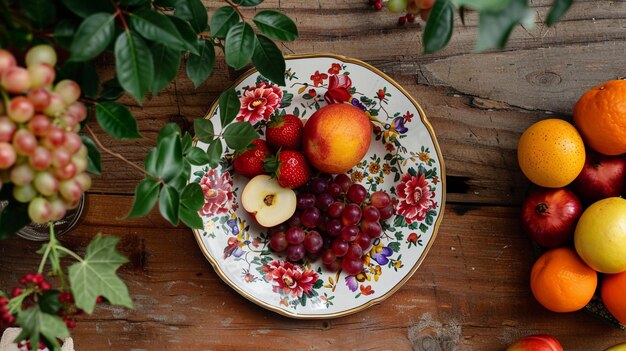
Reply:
x=115, y=154
x=236, y=8
x=71, y=253
x=119, y=14
x=48, y=249
x=5, y=98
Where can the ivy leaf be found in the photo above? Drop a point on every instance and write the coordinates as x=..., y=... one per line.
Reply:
x=191, y=218
x=559, y=8
x=134, y=65
x=169, y=162
x=111, y=90
x=268, y=59
x=496, y=27
x=222, y=20
x=239, y=135
x=64, y=33
x=84, y=8
x=157, y=27
x=199, y=67
x=168, y=130
x=40, y=12
x=49, y=302
x=215, y=153
x=95, y=275
x=13, y=218
x=35, y=323
x=116, y=120
x=166, y=63
x=239, y=45
x=146, y=195
x=194, y=12
x=93, y=36
x=192, y=197
x=203, y=129
x=276, y=25
x=169, y=204
x=438, y=29
x=229, y=104
x=83, y=73
x=93, y=155
x=187, y=33
x=481, y=5
x=248, y=3
x=197, y=156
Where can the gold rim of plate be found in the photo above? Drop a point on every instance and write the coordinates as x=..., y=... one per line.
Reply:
x=377, y=300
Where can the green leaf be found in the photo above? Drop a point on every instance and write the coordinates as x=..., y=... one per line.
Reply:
x=215, y=153
x=64, y=33
x=93, y=36
x=13, y=218
x=197, y=156
x=83, y=73
x=165, y=3
x=93, y=155
x=481, y=5
x=194, y=12
x=222, y=20
x=191, y=218
x=199, y=67
x=238, y=135
x=239, y=45
x=34, y=322
x=268, y=59
x=150, y=164
x=229, y=105
x=157, y=27
x=187, y=33
x=111, y=90
x=166, y=63
x=116, y=120
x=192, y=197
x=95, y=275
x=146, y=195
x=169, y=157
x=276, y=25
x=168, y=130
x=248, y=3
x=134, y=65
x=49, y=302
x=133, y=2
x=559, y=8
x=187, y=142
x=169, y=204
x=203, y=129
x=496, y=27
x=86, y=8
x=41, y=13
x=438, y=29
x=182, y=178
x=394, y=246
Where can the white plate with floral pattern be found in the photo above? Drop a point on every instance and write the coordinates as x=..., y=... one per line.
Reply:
x=403, y=159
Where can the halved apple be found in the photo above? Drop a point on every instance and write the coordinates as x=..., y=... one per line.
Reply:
x=267, y=201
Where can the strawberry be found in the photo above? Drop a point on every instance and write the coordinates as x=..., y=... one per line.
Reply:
x=284, y=132
x=250, y=163
x=289, y=167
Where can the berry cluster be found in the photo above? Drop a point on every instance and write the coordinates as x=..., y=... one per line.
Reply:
x=25, y=345
x=41, y=152
x=411, y=8
x=6, y=318
x=333, y=221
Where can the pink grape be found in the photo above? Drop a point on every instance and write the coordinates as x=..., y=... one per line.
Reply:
x=328, y=256
x=318, y=185
x=73, y=143
x=335, y=209
x=313, y=242
x=323, y=201
x=278, y=242
x=15, y=80
x=24, y=142
x=295, y=252
x=7, y=155
x=24, y=193
x=340, y=247
x=386, y=212
x=54, y=138
x=343, y=181
x=371, y=213
x=82, y=151
x=294, y=235
x=40, y=98
x=310, y=217
x=7, y=128
x=294, y=221
x=68, y=90
x=39, y=210
x=355, y=252
x=333, y=227
x=46, y=183
x=41, y=53
x=372, y=229
x=60, y=158
x=56, y=106
x=66, y=172
x=58, y=209
x=305, y=201
x=40, y=159
x=21, y=174
x=84, y=180
x=380, y=199
x=349, y=233
x=351, y=214
x=69, y=122
x=78, y=110
x=352, y=266
x=334, y=190
x=364, y=241
x=39, y=124
x=41, y=75
x=70, y=190
x=357, y=193
x=7, y=60
x=21, y=110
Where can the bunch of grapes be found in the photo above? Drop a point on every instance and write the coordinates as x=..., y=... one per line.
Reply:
x=41, y=152
x=333, y=221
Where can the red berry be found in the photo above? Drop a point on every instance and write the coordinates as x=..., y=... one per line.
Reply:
x=290, y=168
x=250, y=163
x=45, y=286
x=410, y=17
x=17, y=291
x=70, y=323
x=402, y=20
x=378, y=5
x=284, y=132
x=37, y=278
x=99, y=299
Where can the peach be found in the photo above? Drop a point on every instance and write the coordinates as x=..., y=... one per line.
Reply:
x=536, y=343
x=336, y=138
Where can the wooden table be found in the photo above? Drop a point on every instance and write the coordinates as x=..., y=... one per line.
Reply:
x=472, y=291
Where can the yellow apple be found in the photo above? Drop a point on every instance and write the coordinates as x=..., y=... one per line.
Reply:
x=267, y=201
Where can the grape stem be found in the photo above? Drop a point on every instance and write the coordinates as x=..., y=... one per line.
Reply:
x=5, y=98
x=236, y=8
x=44, y=258
x=71, y=253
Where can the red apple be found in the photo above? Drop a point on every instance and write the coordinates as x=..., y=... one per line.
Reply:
x=549, y=216
x=602, y=176
x=536, y=343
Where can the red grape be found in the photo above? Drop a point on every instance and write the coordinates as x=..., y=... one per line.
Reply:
x=21, y=110
x=351, y=214
x=355, y=252
x=58, y=208
x=364, y=241
x=7, y=60
x=335, y=209
x=7, y=128
x=68, y=90
x=313, y=242
x=310, y=217
x=295, y=252
x=73, y=143
x=380, y=199
x=40, y=159
x=54, y=138
x=66, y=172
x=357, y=193
x=305, y=201
x=278, y=242
x=334, y=190
x=78, y=110
x=349, y=233
x=372, y=229
x=39, y=124
x=40, y=98
x=15, y=80
x=56, y=106
x=294, y=221
x=294, y=235
x=334, y=266
x=24, y=142
x=21, y=174
x=340, y=247
x=7, y=155
x=333, y=227
x=84, y=180
x=70, y=190
x=352, y=266
x=343, y=181
x=318, y=185
x=39, y=210
x=323, y=201
x=41, y=75
x=60, y=158
x=328, y=256
x=386, y=212
x=371, y=214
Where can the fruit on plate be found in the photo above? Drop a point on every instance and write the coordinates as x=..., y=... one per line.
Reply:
x=284, y=132
x=561, y=281
x=268, y=202
x=549, y=216
x=536, y=343
x=600, y=235
x=613, y=293
x=336, y=138
x=600, y=115
x=618, y=347
x=551, y=153
x=602, y=176
x=289, y=167
x=250, y=163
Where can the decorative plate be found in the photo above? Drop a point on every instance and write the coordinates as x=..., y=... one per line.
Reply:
x=403, y=159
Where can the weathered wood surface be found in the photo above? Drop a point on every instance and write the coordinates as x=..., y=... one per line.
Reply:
x=471, y=292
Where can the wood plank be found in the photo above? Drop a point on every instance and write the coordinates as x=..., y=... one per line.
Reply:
x=471, y=293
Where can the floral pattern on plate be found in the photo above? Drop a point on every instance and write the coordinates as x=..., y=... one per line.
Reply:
x=403, y=159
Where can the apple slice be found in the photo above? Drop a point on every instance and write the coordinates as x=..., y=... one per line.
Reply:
x=268, y=202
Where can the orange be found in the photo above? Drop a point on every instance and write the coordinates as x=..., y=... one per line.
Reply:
x=613, y=292
x=561, y=281
x=551, y=153
x=600, y=115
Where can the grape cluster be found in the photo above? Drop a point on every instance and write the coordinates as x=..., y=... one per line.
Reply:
x=333, y=221
x=41, y=152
